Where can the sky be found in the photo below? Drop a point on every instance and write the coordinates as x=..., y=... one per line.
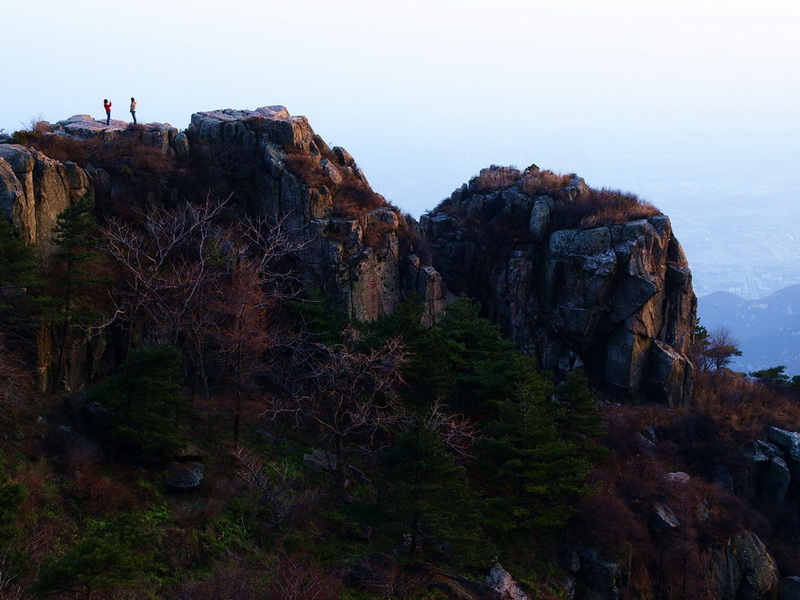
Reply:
x=691, y=104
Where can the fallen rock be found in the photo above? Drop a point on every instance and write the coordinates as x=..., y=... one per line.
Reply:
x=184, y=475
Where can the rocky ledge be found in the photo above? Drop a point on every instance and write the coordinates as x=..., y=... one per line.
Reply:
x=613, y=296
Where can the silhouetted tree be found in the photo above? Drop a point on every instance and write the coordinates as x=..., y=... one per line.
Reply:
x=427, y=493
x=71, y=301
x=714, y=350
x=137, y=409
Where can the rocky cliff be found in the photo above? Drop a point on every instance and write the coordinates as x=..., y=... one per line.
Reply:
x=360, y=250
x=574, y=276
x=613, y=296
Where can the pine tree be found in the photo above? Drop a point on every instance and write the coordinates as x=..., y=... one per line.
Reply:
x=535, y=472
x=75, y=279
x=11, y=497
x=20, y=280
x=141, y=405
x=466, y=360
x=109, y=555
x=578, y=416
x=426, y=493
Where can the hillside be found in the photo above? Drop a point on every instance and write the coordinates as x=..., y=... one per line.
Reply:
x=231, y=370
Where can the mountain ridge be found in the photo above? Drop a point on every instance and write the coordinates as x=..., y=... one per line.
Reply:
x=363, y=253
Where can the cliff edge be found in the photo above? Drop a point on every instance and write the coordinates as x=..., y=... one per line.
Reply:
x=575, y=276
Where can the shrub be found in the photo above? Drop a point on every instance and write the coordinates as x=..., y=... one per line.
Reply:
x=601, y=208
x=494, y=178
x=352, y=197
x=136, y=410
x=545, y=183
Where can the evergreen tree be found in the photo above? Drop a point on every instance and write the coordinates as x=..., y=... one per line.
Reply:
x=75, y=277
x=11, y=497
x=535, y=471
x=426, y=493
x=141, y=405
x=578, y=416
x=20, y=275
x=109, y=555
x=466, y=360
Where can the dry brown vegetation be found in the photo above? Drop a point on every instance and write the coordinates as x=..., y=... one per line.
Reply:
x=728, y=411
x=146, y=167
x=352, y=198
x=545, y=183
x=494, y=178
x=601, y=208
x=575, y=204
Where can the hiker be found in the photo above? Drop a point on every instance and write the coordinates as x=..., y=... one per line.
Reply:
x=107, y=106
x=133, y=110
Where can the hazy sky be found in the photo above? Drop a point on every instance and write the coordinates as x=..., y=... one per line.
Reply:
x=424, y=93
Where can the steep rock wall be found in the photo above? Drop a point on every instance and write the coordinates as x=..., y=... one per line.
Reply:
x=296, y=178
x=35, y=189
x=617, y=298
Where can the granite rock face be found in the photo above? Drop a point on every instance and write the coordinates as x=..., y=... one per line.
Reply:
x=360, y=256
x=614, y=298
x=35, y=189
x=746, y=570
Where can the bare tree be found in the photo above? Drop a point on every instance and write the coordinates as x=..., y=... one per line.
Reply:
x=194, y=280
x=346, y=392
x=15, y=382
x=457, y=432
x=281, y=489
x=715, y=350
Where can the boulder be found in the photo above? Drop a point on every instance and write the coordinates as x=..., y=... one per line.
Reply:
x=662, y=519
x=500, y=580
x=745, y=570
x=321, y=459
x=183, y=476
x=790, y=589
x=787, y=441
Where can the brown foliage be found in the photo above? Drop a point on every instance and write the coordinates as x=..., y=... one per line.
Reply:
x=125, y=156
x=494, y=178
x=601, y=208
x=344, y=391
x=545, y=183
x=232, y=581
x=351, y=197
x=618, y=517
x=743, y=407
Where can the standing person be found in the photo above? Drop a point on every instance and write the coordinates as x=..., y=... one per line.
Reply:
x=133, y=110
x=107, y=106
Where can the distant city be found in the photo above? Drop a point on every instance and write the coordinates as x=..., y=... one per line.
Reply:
x=749, y=248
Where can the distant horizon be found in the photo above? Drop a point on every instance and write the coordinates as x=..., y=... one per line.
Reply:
x=689, y=105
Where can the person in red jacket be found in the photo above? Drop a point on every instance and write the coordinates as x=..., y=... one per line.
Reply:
x=107, y=106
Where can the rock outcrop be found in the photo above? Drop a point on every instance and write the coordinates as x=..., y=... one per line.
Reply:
x=35, y=189
x=614, y=297
x=359, y=249
x=746, y=570
x=773, y=469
